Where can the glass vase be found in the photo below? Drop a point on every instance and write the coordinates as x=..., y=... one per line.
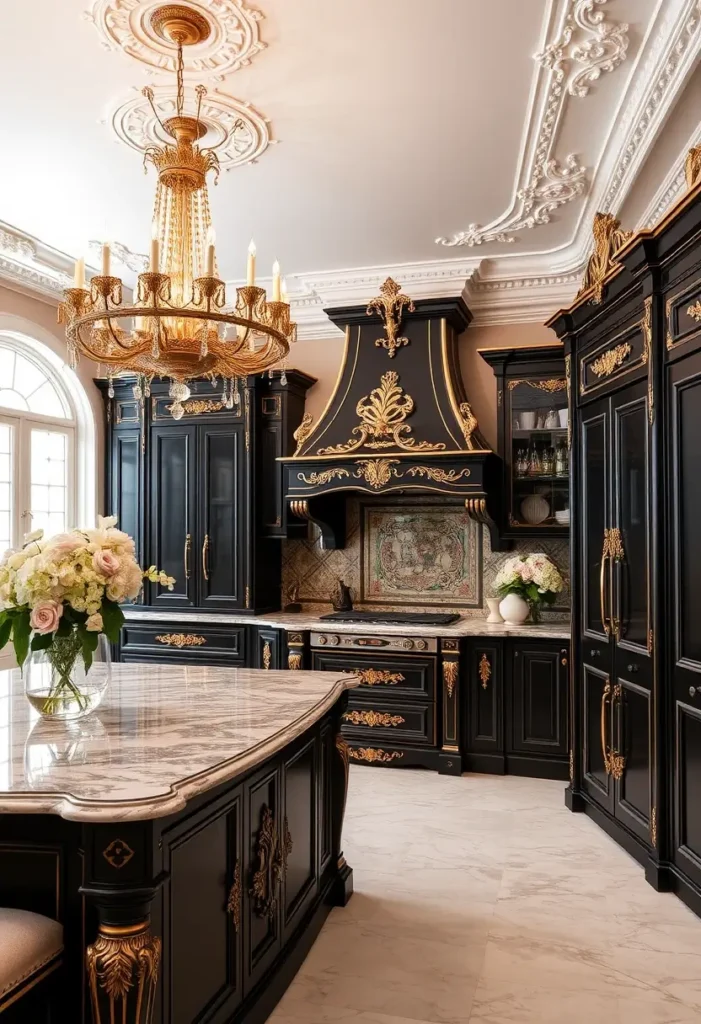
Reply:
x=57, y=684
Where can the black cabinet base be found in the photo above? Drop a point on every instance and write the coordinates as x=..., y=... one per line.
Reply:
x=343, y=889
x=449, y=763
x=386, y=756
x=680, y=885
x=510, y=764
x=630, y=843
x=574, y=801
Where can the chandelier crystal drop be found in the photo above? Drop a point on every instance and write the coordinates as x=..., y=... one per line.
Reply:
x=178, y=325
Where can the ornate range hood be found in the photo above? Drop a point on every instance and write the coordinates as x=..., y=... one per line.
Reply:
x=398, y=421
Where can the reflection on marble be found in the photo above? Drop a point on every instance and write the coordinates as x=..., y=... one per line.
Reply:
x=301, y=621
x=483, y=900
x=163, y=734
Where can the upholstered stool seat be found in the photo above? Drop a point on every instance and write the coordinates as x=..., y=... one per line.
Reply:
x=30, y=950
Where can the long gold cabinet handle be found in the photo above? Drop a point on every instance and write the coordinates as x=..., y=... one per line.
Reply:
x=606, y=693
x=616, y=760
x=605, y=556
x=205, y=553
x=186, y=555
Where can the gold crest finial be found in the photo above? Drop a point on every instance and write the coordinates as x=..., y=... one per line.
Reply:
x=389, y=304
x=608, y=239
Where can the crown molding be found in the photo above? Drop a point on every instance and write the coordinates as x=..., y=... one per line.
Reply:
x=30, y=266
x=671, y=188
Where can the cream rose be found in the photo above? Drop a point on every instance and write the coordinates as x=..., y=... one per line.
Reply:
x=105, y=562
x=45, y=616
x=94, y=622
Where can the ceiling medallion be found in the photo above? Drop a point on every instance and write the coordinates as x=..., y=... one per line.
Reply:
x=224, y=34
x=588, y=45
x=238, y=131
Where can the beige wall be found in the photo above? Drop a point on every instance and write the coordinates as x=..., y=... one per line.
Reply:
x=322, y=359
x=35, y=311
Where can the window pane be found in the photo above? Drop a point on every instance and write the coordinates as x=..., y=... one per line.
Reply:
x=28, y=377
x=49, y=481
x=5, y=488
x=12, y=400
x=46, y=401
x=7, y=367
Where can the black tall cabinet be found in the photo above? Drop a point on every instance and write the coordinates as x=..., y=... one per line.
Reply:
x=633, y=356
x=202, y=496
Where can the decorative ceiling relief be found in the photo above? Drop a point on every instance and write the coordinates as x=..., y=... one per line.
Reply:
x=588, y=45
x=241, y=132
x=232, y=42
x=136, y=261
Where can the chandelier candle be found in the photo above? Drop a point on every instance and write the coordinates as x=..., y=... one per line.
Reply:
x=177, y=326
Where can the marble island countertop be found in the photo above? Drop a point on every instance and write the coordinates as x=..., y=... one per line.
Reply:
x=472, y=626
x=163, y=734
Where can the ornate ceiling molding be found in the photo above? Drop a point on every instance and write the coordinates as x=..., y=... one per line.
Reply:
x=241, y=132
x=136, y=261
x=587, y=44
x=234, y=40
x=672, y=188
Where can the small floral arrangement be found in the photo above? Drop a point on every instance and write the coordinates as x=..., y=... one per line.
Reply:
x=58, y=594
x=536, y=579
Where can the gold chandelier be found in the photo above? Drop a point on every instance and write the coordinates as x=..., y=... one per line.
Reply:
x=179, y=326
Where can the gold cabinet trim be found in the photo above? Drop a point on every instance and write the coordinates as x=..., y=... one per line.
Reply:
x=371, y=755
x=485, y=671
x=267, y=655
x=389, y=305
x=233, y=904
x=621, y=339
x=377, y=676
x=181, y=640
x=294, y=661
x=373, y=719
x=551, y=386
x=450, y=676
x=611, y=360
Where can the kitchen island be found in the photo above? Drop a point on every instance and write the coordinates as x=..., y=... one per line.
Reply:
x=187, y=835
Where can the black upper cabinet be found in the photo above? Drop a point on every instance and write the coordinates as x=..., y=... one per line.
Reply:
x=533, y=438
x=202, y=496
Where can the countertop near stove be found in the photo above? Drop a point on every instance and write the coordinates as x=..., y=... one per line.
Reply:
x=300, y=621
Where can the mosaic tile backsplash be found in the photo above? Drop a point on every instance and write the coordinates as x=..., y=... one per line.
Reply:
x=419, y=556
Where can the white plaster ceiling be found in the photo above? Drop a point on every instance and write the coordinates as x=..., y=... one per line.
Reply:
x=392, y=123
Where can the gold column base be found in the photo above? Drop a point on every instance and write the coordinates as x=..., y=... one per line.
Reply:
x=123, y=965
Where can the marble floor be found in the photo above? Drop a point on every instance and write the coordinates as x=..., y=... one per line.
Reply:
x=483, y=899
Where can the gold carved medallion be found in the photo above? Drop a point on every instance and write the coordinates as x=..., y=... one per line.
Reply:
x=373, y=719
x=450, y=676
x=376, y=677
x=118, y=854
x=485, y=671
x=382, y=421
x=371, y=755
x=376, y=472
x=390, y=304
x=605, y=365
x=303, y=431
x=181, y=640
x=694, y=311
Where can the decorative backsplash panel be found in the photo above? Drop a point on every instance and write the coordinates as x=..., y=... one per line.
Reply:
x=418, y=556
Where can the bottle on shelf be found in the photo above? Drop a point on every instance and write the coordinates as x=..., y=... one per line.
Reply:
x=562, y=467
x=535, y=463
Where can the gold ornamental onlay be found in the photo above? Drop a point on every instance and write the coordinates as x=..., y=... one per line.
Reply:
x=376, y=472
x=692, y=167
x=694, y=311
x=196, y=407
x=118, y=854
x=605, y=365
x=303, y=431
x=485, y=671
x=267, y=655
x=389, y=305
x=272, y=857
x=382, y=419
x=653, y=827
x=450, y=676
x=371, y=755
x=646, y=327
x=470, y=428
x=441, y=476
x=376, y=677
x=294, y=661
x=571, y=765
x=233, y=904
x=550, y=386
x=181, y=640
x=373, y=719
x=568, y=377
x=325, y=477
x=608, y=239
x=122, y=967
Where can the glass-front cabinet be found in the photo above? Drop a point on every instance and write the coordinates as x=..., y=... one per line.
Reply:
x=533, y=439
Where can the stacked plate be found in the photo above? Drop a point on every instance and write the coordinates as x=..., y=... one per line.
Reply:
x=563, y=518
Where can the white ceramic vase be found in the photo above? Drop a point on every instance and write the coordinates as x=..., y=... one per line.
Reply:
x=514, y=610
x=493, y=605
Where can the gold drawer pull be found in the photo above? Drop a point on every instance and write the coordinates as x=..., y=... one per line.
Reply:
x=374, y=718
x=616, y=760
x=376, y=676
x=485, y=670
x=205, y=560
x=233, y=905
x=181, y=640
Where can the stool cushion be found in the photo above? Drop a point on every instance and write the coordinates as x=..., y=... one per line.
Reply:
x=27, y=942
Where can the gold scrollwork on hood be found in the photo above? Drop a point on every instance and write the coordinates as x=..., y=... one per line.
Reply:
x=389, y=305
x=376, y=472
x=382, y=421
x=303, y=431
x=325, y=477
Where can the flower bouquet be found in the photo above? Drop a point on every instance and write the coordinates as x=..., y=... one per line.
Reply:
x=536, y=580
x=59, y=601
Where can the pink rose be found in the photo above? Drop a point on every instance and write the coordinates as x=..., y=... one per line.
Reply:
x=65, y=544
x=105, y=561
x=45, y=616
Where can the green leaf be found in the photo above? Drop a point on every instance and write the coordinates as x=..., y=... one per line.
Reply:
x=112, y=620
x=21, y=631
x=65, y=626
x=89, y=642
x=40, y=641
x=5, y=629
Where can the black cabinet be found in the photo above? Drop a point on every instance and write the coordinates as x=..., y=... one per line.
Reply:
x=202, y=496
x=299, y=838
x=262, y=871
x=515, y=712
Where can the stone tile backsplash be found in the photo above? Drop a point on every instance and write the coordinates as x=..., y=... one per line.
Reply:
x=422, y=568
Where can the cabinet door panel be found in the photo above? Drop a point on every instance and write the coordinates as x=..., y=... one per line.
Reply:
x=630, y=515
x=595, y=500
x=299, y=775
x=597, y=735
x=204, y=970
x=262, y=933
x=633, y=725
x=687, y=786
x=173, y=512
x=126, y=486
x=485, y=722
x=538, y=702
x=220, y=535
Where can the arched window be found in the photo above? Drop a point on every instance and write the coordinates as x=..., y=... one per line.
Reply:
x=41, y=442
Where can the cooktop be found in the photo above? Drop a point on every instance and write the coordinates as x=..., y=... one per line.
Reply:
x=393, y=618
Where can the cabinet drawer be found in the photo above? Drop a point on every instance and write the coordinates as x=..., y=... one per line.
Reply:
x=409, y=676
x=175, y=641
x=394, y=721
